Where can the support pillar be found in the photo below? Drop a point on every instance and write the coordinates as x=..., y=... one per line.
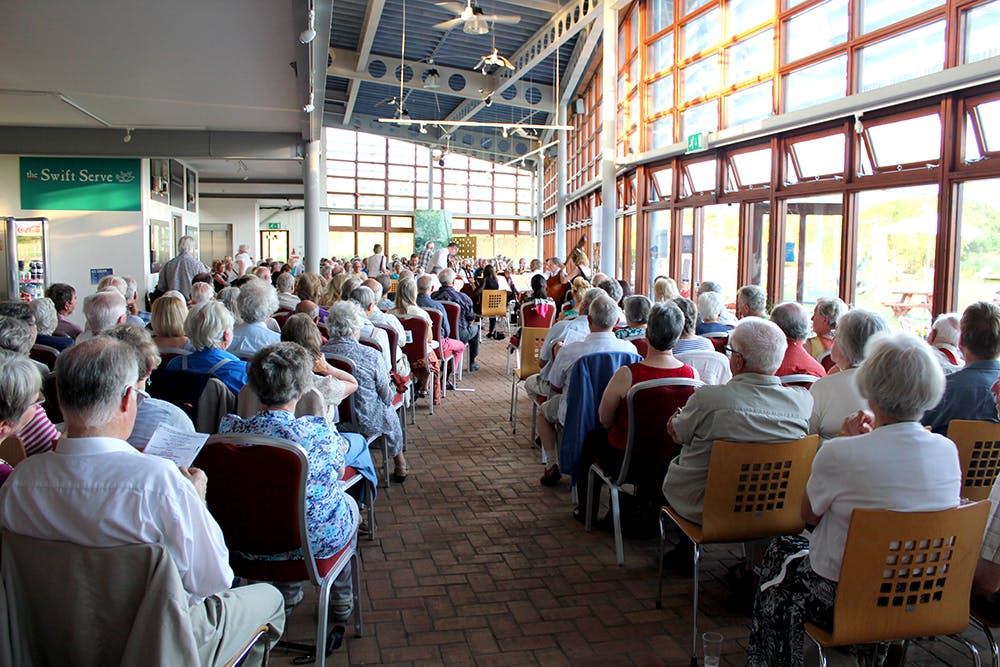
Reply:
x=539, y=206
x=605, y=229
x=316, y=229
x=561, y=151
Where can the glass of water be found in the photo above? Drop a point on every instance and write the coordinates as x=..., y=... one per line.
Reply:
x=712, y=647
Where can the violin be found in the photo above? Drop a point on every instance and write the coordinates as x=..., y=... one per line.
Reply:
x=555, y=285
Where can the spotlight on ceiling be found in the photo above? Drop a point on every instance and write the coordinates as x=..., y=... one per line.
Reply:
x=128, y=135
x=423, y=129
x=309, y=107
x=432, y=81
x=309, y=34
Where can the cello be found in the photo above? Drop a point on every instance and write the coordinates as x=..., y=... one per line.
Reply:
x=559, y=283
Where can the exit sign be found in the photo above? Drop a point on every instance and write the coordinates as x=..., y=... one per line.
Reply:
x=274, y=225
x=697, y=141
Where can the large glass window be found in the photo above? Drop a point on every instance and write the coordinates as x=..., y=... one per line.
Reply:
x=812, y=248
x=822, y=82
x=701, y=118
x=979, y=238
x=750, y=168
x=751, y=57
x=897, y=233
x=749, y=104
x=813, y=159
x=876, y=14
x=745, y=14
x=687, y=251
x=701, y=78
x=661, y=54
x=979, y=30
x=661, y=15
x=702, y=32
x=901, y=58
x=720, y=246
x=816, y=29
x=982, y=130
x=659, y=245
x=660, y=132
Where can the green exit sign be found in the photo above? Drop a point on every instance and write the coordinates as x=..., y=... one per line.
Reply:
x=274, y=225
x=697, y=142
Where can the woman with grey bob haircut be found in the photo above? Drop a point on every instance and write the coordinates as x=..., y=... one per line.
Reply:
x=209, y=328
x=836, y=396
x=886, y=461
x=18, y=392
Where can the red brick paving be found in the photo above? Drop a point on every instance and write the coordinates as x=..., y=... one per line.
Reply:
x=476, y=564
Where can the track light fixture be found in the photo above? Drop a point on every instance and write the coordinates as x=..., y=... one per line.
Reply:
x=432, y=79
x=309, y=34
x=128, y=135
x=309, y=107
x=423, y=129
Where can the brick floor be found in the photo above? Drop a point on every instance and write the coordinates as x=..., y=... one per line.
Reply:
x=477, y=564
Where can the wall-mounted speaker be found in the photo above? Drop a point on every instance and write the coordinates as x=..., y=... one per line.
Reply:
x=578, y=106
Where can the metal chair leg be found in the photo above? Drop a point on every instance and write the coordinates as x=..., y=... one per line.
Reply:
x=694, y=613
x=359, y=623
x=591, y=483
x=822, y=656
x=994, y=650
x=659, y=558
x=616, y=515
x=431, y=379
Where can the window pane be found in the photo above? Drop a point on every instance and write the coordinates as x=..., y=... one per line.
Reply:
x=341, y=244
x=371, y=201
x=701, y=78
x=897, y=232
x=878, y=13
x=745, y=14
x=400, y=244
x=341, y=220
x=371, y=187
x=720, y=245
x=664, y=179
x=340, y=201
x=701, y=118
x=687, y=251
x=754, y=167
x=749, y=104
x=661, y=15
x=971, y=153
x=659, y=246
x=980, y=31
x=819, y=28
x=401, y=203
x=340, y=184
x=818, y=83
x=760, y=234
x=702, y=175
x=702, y=33
x=661, y=53
x=902, y=58
x=338, y=168
x=751, y=57
x=979, y=236
x=370, y=221
x=660, y=132
x=371, y=170
x=812, y=248
x=401, y=222
x=818, y=157
x=661, y=95
x=989, y=121
x=908, y=141
x=691, y=5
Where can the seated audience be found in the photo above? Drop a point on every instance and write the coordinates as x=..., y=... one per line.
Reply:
x=406, y=304
x=837, y=395
x=127, y=287
x=285, y=283
x=449, y=343
x=607, y=444
x=220, y=278
x=689, y=340
x=887, y=461
x=169, y=313
x=279, y=375
x=725, y=316
x=17, y=337
x=209, y=329
x=46, y=321
x=752, y=407
x=665, y=289
x=64, y=299
x=98, y=491
x=374, y=414
x=102, y=311
x=468, y=330
x=825, y=319
x=636, y=315
x=201, y=293
x=333, y=384
x=793, y=320
x=150, y=413
x=751, y=301
x=710, y=309
x=378, y=316
x=365, y=298
x=18, y=396
x=602, y=314
x=944, y=337
x=230, y=295
x=987, y=579
x=257, y=302
x=967, y=391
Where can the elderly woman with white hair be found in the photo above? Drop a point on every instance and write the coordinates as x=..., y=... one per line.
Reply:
x=18, y=395
x=209, y=328
x=825, y=321
x=836, y=396
x=256, y=302
x=710, y=307
x=374, y=412
x=944, y=337
x=886, y=461
x=46, y=321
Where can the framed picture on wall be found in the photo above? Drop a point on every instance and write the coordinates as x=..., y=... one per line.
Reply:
x=191, y=190
x=160, y=245
x=159, y=180
x=176, y=184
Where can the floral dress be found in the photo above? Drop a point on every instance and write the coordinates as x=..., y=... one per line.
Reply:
x=331, y=515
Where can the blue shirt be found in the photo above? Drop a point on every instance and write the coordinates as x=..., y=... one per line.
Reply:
x=966, y=396
x=248, y=338
x=233, y=373
x=426, y=302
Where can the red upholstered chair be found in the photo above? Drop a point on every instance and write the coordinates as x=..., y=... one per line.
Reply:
x=417, y=347
x=720, y=339
x=446, y=360
x=347, y=412
x=281, y=317
x=454, y=311
x=398, y=402
x=826, y=361
x=44, y=354
x=641, y=345
x=258, y=497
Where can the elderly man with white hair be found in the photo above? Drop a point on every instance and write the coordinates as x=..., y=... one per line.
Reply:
x=752, y=407
x=127, y=287
x=102, y=311
x=179, y=272
x=751, y=301
x=285, y=283
x=256, y=302
x=98, y=491
x=201, y=293
x=46, y=321
x=944, y=340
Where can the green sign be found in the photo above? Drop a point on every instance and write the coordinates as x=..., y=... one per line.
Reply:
x=696, y=142
x=274, y=225
x=80, y=184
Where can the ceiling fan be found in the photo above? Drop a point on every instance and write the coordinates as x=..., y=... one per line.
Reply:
x=472, y=19
x=493, y=58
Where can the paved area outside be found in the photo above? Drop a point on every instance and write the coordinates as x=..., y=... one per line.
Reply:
x=475, y=563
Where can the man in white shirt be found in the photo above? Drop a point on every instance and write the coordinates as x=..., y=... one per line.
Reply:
x=98, y=491
x=364, y=297
x=439, y=260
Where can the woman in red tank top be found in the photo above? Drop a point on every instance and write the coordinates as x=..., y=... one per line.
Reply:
x=607, y=444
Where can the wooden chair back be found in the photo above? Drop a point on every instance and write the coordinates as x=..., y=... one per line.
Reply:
x=530, y=347
x=906, y=575
x=756, y=489
x=538, y=314
x=494, y=303
x=12, y=450
x=978, y=445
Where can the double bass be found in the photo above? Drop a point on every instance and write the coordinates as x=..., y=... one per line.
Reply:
x=559, y=283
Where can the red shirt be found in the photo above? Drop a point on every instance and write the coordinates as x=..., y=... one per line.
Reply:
x=618, y=434
x=798, y=361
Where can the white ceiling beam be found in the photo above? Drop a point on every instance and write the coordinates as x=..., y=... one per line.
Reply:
x=373, y=15
x=563, y=26
x=578, y=62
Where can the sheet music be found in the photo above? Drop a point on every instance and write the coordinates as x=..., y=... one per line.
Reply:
x=175, y=445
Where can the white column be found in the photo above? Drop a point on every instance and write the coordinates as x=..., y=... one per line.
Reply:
x=539, y=206
x=316, y=229
x=430, y=180
x=605, y=229
x=561, y=185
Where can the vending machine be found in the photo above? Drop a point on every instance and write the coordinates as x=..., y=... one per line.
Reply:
x=24, y=257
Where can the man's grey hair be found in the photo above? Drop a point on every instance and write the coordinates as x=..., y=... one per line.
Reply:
x=710, y=305
x=375, y=286
x=139, y=339
x=91, y=377
x=257, y=301
x=709, y=286
x=201, y=293
x=207, y=324
x=761, y=344
x=947, y=327
x=425, y=283
x=854, y=331
x=446, y=277
x=285, y=283
x=900, y=375
x=349, y=286
x=363, y=296
x=46, y=318
x=384, y=281
x=280, y=373
x=613, y=289
x=666, y=323
x=753, y=297
x=603, y=312
x=186, y=244
x=345, y=320
x=832, y=308
x=19, y=311
x=16, y=335
x=20, y=386
x=229, y=296
x=793, y=319
x=637, y=309
x=104, y=310
x=113, y=282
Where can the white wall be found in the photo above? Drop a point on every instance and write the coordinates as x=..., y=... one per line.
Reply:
x=240, y=213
